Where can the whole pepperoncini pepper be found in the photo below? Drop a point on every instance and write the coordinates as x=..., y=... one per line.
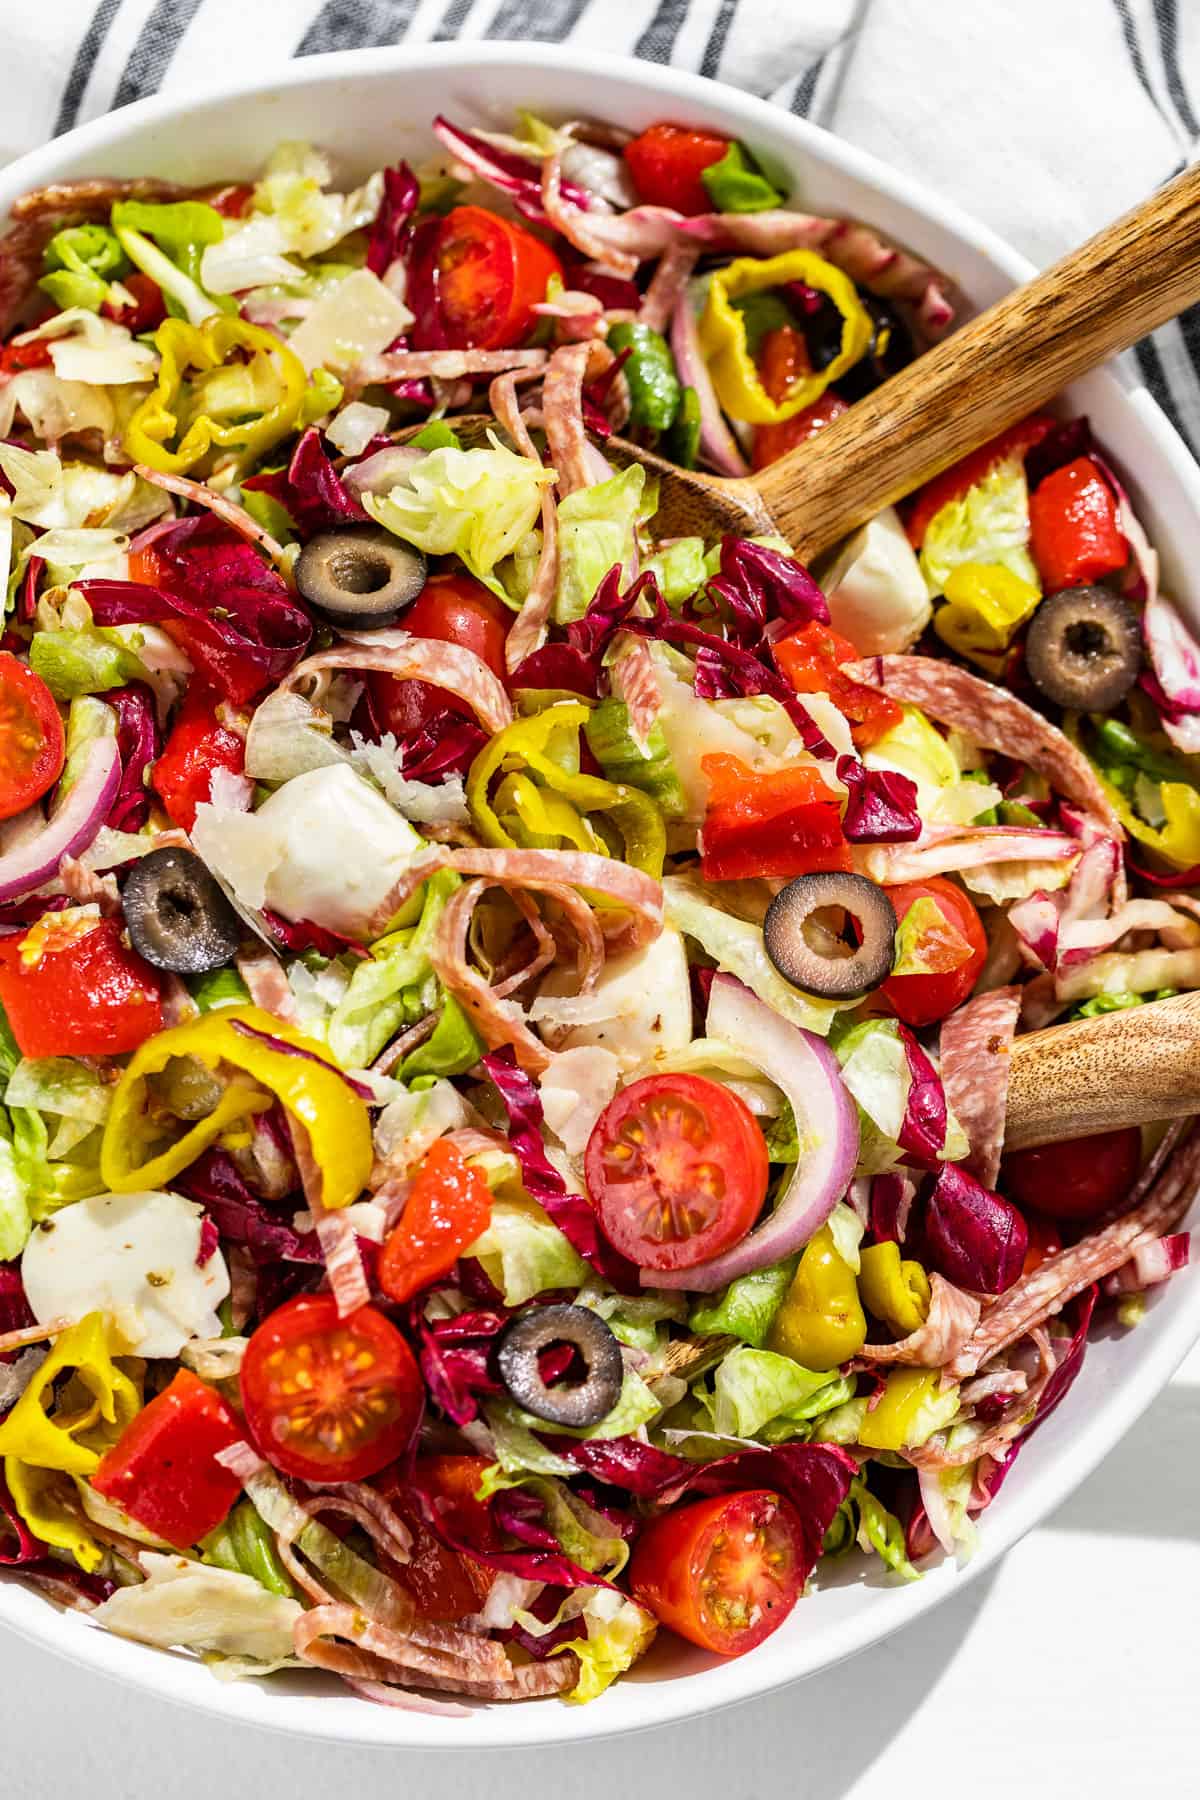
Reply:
x=727, y=351
x=271, y=1062
x=895, y=1291
x=821, y=1323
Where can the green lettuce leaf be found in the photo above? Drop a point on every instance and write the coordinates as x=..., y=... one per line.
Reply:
x=523, y=1253
x=756, y=1389
x=84, y=662
x=392, y=987
x=880, y=1531
x=680, y=569
x=746, y=1308
x=989, y=524
x=453, y=1048
x=595, y=530
x=737, y=947
x=618, y=1632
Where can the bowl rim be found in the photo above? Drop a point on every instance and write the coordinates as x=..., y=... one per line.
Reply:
x=182, y=1679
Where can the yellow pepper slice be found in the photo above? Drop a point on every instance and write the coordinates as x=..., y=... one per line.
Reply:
x=896, y=1292
x=262, y=401
x=913, y=1407
x=821, y=1323
x=727, y=352
x=36, y=1446
x=308, y=1084
x=545, y=745
x=1177, y=840
x=985, y=604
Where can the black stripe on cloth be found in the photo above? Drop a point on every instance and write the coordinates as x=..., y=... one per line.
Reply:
x=710, y=62
x=1155, y=378
x=1137, y=60
x=156, y=44
x=85, y=61
x=1189, y=331
x=453, y=20
x=657, y=42
x=806, y=87
x=549, y=20
x=355, y=24
x=1167, y=20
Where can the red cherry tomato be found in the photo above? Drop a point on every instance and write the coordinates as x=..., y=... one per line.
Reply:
x=922, y=999
x=449, y=1207
x=148, y=309
x=677, y=1169
x=452, y=609
x=86, y=994
x=163, y=1470
x=330, y=1399
x=491, y=274
x=198, y=745
x=1078, y=1179
x=32, y=746
x=667, y=161
x=783, y=357
x=724, y=1572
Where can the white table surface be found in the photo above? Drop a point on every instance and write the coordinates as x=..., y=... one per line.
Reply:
x=1072, y=1669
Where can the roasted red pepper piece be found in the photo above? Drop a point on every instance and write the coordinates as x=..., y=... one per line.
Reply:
x=1074, y=533
x=198, y=745
x=148, y=309
x=163, y=1470
x=811, y=660
x=86, y=994
x=450, y=1204
x=953, y=482
x=783, y=823
x=667, y=161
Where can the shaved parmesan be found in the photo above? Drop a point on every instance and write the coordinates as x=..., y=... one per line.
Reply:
x=132, y=1256
x=639, y=1010
x=359, y=317
x=188, y=1605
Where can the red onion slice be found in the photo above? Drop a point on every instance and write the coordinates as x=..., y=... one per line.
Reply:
x=807, y=1071
x=717, y=442
x=70, y=828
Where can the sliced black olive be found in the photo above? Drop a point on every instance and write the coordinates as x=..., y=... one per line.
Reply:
x=360, y=577
x=812, y=954
x=1084, y=649
x=176, y=914
x=578, y=1402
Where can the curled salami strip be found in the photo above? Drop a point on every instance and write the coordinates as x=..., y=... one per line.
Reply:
x=994, y=718
x=368, y=1654
x=528, y=631
x=953, y=1316
x=562, y=410
x=445, y=365
x=975, y=1046
x=667, y=284
x=394, y=651
x=1046, y=1291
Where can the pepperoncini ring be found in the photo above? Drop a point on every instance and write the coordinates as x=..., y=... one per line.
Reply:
x=727, y=352
x=895, y=1291
x=174, y=410
x=281, y=1065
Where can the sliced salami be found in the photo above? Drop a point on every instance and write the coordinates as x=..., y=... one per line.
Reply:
x=994, y=718
x=952, y=1318
x=975, y=1047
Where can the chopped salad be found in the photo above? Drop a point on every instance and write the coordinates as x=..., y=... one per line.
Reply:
x=505, y=1015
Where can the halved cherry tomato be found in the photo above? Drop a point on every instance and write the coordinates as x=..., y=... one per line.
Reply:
x=449, y=1207
x=953, y=482
x=667, y=161
x=922, y=999
x=330, y=1399
x=446, y=1585
x=811, y=660
x=32, y=745
x=782, y=358
x=784, y=823
x=163, y=1470
x=677, y=1168
x=452, y=609
x=198, y=745
x=33, y=355
x=723, y=1572
x=148, y=309
x=86, y=994
x=1077, y=1179
x=491, y=274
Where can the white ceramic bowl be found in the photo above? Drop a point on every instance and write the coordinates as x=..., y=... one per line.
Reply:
x=371, y=107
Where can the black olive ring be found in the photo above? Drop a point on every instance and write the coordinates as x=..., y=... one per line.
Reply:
x=1084, y=649
x=177, y=915
x=359, y=578
x=842, y=977
x=576, y=1403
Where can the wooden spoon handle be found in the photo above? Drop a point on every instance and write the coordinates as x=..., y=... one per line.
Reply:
x=1128, y=279
x=1123, y=1068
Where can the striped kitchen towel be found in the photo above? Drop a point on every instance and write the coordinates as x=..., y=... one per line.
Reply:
x=1045, y=118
